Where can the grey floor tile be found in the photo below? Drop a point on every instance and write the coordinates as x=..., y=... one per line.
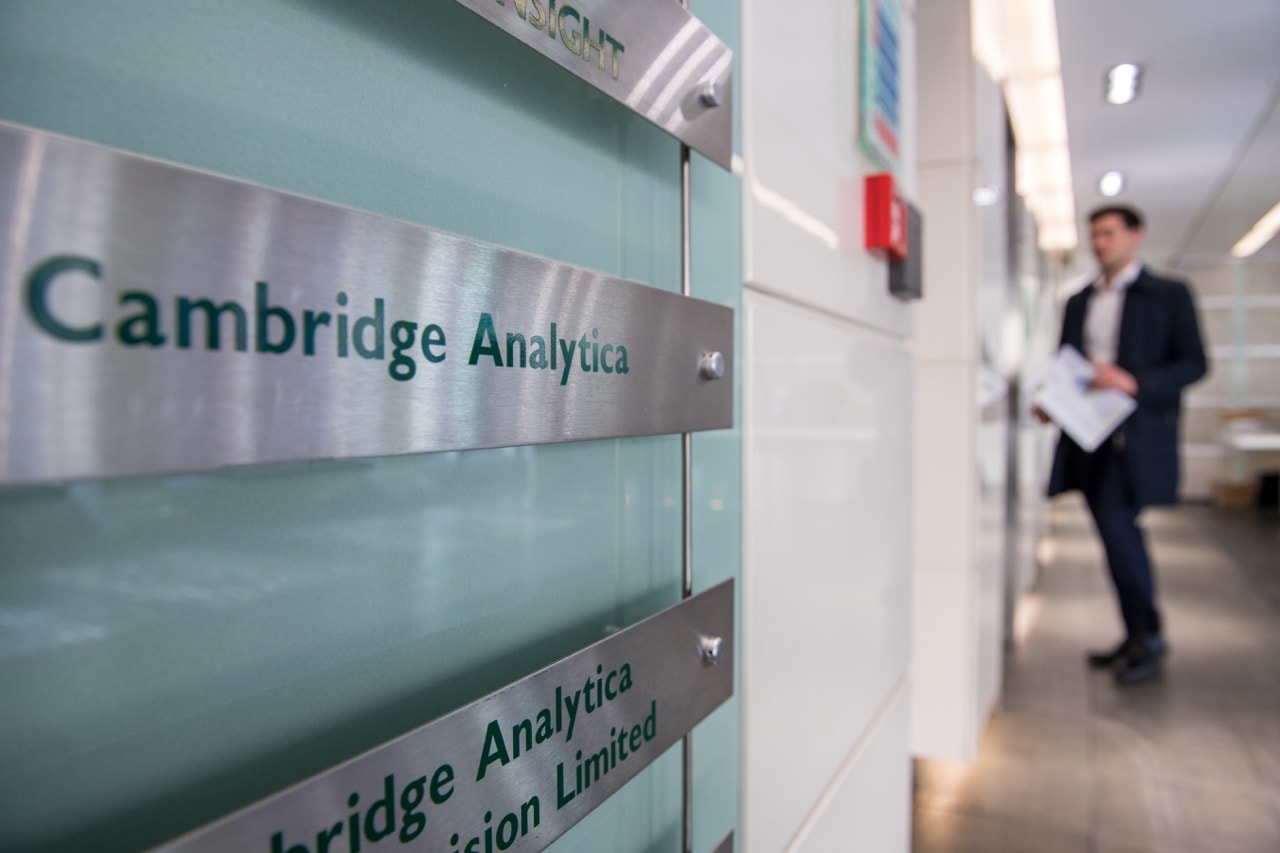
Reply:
x=1192, y=747
x=1071, y=761
x=1048, y=793
x=942, y=831
x=1151, y=809
x=1260, y=731
x=1039, y=735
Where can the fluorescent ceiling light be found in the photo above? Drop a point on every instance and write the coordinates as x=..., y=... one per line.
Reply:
x=1016, y=41
x=1122, y=83
x=1036, y=110
x=1043, y=172
x=1111, y=184
x=1259, y=235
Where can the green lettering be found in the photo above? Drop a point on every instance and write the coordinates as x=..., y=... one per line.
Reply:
x=495, y=748
x=514, y=338
x=533, y=805
x=486, y=343
x=403, y=335
x=38, y=297
x=442, y=784
x=566, y=349
x=588, y=43
x=213, y=327
x=325, y=836
x=414, y=821
x=617, y=49
x=625, y=684
x=621, y=366
x=597, y=764
x=147, y=321
x=604, y=362
x=538, y=358
x=572, y=38
x=432, y=337
x=277, y=845
x=562, y=799
x=310, y=320
x=537, y=19
x=342, y=327
x=507, y=829
x=545, y=729
x=386, y=806
x=375, y=323
x=525, y=726
x=263, y=312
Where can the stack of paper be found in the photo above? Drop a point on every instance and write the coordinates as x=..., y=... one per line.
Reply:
x=1088, y=416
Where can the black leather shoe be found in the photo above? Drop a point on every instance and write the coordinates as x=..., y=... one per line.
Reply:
x=1104, y=660
x=1107, y=659
x=1141, y=660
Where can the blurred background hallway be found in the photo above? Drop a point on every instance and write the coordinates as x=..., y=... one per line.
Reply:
x=1071, y=762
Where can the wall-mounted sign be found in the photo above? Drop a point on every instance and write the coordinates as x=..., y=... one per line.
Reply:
x=517, y=769
x=650, y=55
x=881, y=68
x=157, y=319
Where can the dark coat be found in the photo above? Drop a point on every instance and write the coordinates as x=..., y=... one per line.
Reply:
x=1160, y=345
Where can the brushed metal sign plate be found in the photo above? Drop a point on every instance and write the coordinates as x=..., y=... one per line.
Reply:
x=652, y=56
x=157, y=319
x=518, y=768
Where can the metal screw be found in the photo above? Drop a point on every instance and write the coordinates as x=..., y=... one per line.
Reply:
x=709, y=93
x=711, y=365
x=712, y=647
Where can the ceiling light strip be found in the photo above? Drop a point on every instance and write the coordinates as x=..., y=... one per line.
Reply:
x=1259, y=235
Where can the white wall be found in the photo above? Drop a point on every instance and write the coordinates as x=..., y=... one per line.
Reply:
x=827, y=402
x=960, y=451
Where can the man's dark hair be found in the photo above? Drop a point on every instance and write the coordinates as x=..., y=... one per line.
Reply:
x=1132, y=218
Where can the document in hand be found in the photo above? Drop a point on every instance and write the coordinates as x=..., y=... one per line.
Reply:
x=1088, y=416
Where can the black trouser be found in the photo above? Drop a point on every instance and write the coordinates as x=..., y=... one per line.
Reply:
x=1115, y=513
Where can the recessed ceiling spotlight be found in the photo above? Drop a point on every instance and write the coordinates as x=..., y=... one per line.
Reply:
x=1122, y=83
x=1111, y=184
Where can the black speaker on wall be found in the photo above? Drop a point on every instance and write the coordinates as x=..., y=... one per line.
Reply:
x=906, y=276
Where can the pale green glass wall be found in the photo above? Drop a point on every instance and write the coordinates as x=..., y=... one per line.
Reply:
x=173, y=648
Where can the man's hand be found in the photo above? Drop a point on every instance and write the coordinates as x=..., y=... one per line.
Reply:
x=1114, y=378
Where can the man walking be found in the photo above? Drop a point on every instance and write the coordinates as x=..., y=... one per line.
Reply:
x=1142, y=334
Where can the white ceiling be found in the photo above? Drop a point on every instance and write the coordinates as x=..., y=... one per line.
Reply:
x=1200, y=147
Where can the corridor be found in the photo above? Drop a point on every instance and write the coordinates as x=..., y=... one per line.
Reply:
x=1071, y=762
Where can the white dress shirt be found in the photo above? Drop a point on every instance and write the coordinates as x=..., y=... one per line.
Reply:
x=1102, y=322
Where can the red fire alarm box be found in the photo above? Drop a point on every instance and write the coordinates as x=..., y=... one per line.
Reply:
x=885, y=215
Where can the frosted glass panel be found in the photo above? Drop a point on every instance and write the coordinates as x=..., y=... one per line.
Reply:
x=173, y=648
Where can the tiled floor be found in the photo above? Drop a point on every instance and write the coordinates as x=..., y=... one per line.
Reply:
x=1071, y=762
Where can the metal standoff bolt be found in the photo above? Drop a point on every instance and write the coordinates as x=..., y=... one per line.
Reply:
x=709, y=93
x=711, y=650
x=711, y=365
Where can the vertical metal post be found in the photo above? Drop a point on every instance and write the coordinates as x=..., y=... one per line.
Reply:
x=686, y=473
